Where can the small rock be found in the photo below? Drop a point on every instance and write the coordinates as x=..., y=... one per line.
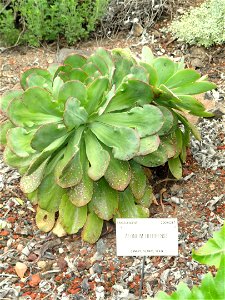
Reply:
x=96, y=268
x=83, y=251
x=61, y=250
x=96, y=257
x=20, y=269
x=99, y=292
x=101, y=247
x=85, y=285
x=41, y=264
x=62, y=264
x=175, y=200
x=32, y=257
x=81, y=266
x=19, y=247
x=35, y=280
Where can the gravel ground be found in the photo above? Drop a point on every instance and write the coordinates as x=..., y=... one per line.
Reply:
x=67, y=268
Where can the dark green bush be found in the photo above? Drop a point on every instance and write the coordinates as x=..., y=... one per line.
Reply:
x=44, y=20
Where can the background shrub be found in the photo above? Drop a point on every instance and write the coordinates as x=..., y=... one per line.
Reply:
x=44, y=20
x=204, y=25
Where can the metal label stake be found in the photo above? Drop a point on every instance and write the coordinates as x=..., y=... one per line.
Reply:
x=142, y=277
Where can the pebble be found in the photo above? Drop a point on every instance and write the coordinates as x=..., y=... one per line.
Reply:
x=41, y=264
x=100, y=293
x=96, y=268
x=96, y=257
x=85, y=285
x=61, y=250
x=101, y=247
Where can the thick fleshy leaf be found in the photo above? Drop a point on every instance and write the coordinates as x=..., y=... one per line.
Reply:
x=31, y=182
x=118, y=174
x=194, y=88
x=139, y=73
x=213, y=250
x=75, y=60
x=40, y=81
x=194, y=106
x=122, y=69
x=57, y=84
x=45, y=220
x=74, y=114
x=106, y=56
x=35, y=108
x=91, y=69
x=147, y=198
x=153, y=77
x=37, y=71
x=75, y=89
x=22, y=163
x=50, y=194
x=72, y=217
x=81, y=194
x=169, y=145
x=138, y=180
x=47, y=134
x=131, y=92
x=191, y=126
x=124, y=141
x=182, y=77
x=58, y=229
x=100, y=62
x=154, y=159
x=175, y=167
x=5, y=126
x=97, y=156
x=128, y=208
x=95, y=93
x=92, y=228
x=148, y=145
x=77, y=74
x=147, y=55
x=7, y=97
x=165, y=69
x=147, y=120
x=19, y=141
x=105, y=200
x=168, y=121
x=179, y=142
x=69, y=170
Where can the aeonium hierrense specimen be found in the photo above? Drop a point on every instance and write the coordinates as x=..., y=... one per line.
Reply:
x=80, y=134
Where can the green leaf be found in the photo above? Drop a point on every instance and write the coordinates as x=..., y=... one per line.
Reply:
x=183, y=292
x=37, y=80
x=147, y=198
x=74, y=114
x=147, y=120
x=91, y=69
x=168, y=121
x=45, y=220
x=192, y=127
x=130, y=92
x=139, y=73
x=122, y=68
x=95, y=93
x=175, y=167
x=92, y=228
x=81, y=194
x=5, y=126
x=124, y=141
x=49, y=194
x=36, y=71
x=194, y=88
x=153, y=77
x=47, y=134
x=99, y=61
x=212, y=252
x=194, y=106
x=19, y=140
x=7, y=97
x=182, y=77
x=169, y=145
x=138, y=180
x=148, y=145
x=179, y=142
x=128, y=208
x=76, y=74
x=97, y=156
x=71, y=217
x=147, y=55
x=118, y=174
x=105, y=200
x=75, y=89
x=35, y=108
x=31, y=182
x=69, y=170
x=165, y=69
x=75, y=60
x=154, y=159
x=107, y=59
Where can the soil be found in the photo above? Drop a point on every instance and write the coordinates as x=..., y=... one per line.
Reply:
x=68, y=268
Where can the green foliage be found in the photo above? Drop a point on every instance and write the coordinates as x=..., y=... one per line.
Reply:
x=204, y=25
x=211, y=288
x=45, y=20
x=80, y=134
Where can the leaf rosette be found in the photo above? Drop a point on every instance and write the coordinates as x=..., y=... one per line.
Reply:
x=80, y=134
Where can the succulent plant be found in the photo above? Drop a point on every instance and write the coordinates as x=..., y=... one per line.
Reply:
x=80, y=134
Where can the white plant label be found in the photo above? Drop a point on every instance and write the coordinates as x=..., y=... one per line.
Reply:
x=147, y=237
